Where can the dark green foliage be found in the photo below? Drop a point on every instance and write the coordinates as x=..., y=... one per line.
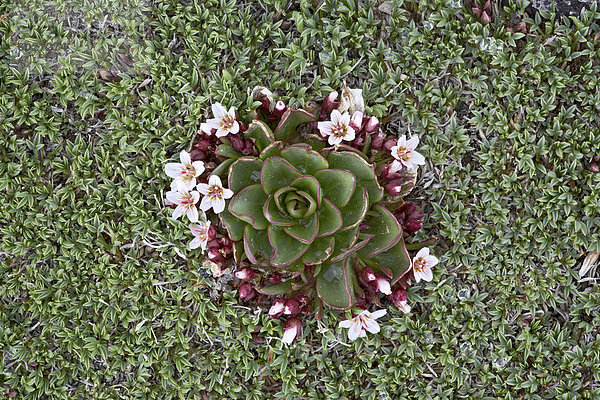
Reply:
x=95, y=298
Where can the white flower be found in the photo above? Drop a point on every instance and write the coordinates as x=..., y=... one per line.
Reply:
x=224, y=121
x=214, y=194
x=200, y=232
x=365, y=321
x=383, y=285
x=422, y=264
x=186, y=171
x=405, y=154
x=186, y=203
x=338, y=128
x=351, y=101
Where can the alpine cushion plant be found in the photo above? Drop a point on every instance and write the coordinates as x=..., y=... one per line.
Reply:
x=315, y=215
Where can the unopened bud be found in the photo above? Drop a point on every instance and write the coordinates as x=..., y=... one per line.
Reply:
x=594, y=167
x=383, y=284
x=377, y=142
x=371, y=125
x=280, y=108
x=388, y=144
x=245, y=274
x=368, y=275
x=412, y=225
x=292, y=307
x=291, y=330
x=212, y=232
x=277, y=308
x=485, y=18
x=275, y=278
x=394, y=187
x=237, y=143
x=246, y=292
x=330, y=103
x=203, y=145
x=356, y=121
x=398, y=297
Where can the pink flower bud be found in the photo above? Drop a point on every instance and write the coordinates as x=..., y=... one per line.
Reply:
x=398, y=297
x=368, y=275
x=197, y=155
x=280, y=108
x=594, y=167
x=330, y=103
x=277, y=308
x=215, y=256
x=291, y=330
x=292, y=307
x=383, y=284
x=266, y=103
x=394, y=187
x=305, y=304
x=237, y=143
x=203, y=145
x=245, y=274
x=487, y=6
x=246, y=292
x=363, y=302
x=509, y=29
x=377, y=142
x=476, y=11
x=388, y=144
x=275, y=278
x=358, y=142
x=412, y=225
x=596, y=159
x=485, y=18
x=386, y=174
x=522, y=26
x=212, y=232
x=356, y=121
x=213, y=244
x=248, y=148
x=371, y=125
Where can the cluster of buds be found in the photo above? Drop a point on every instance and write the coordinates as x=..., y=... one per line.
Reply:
x=204, y=148
x=219, y=248
x=410, y=217
x=484, y=11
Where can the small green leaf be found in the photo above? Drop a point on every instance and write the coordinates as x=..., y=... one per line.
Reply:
x=311, y=185
x=274, y=215
x=305, y=231
x=261, y=133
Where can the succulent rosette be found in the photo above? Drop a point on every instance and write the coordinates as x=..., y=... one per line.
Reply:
x=313, y=206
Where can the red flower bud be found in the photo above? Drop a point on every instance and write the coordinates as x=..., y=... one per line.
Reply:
x=412, y=225
x=197, y=155
x=203, y=145
x=212, y=232
x=377, y=142
x=371, y=125
x=245, y=274
x=476, y=11
x=280, y=108
x=213, y=244
x=398, y=297
x=330, y=103
x=363, y=302
x=246, y=292
x=394, y=187
x=292, y=307
x=388, y=144
x=237, y=143
x=356, y=121
x=266, y=103
x=215, y=256
x=522, y=26
x=276, y=309
x=275, y=278
x=485, y=18
x=291, y=330
x=594, y=167
x=386, y=174
x=367, y=274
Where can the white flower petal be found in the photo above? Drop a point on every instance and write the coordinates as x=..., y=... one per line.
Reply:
x=384, y=286
x=350, y=134
x=185, y=158
x=227, y=193
x=289, y=335
x=422, y=253
x=221, y=132
x=396, y=166
x=354, y=332
x=417, y=276
x=214, y=180
x=378, y=314
x=336, y=116
x=206, y=203
x=417, y=158
x=195, y=196
x=401, y=141
x=218, y=205
x=235, y=128
x=213, y=123
x=218, y=110
x=413, y=142
x=347, y=323
x=325, y=127
x=182, y=184
x=199, y=167
x=174, y=197
x=206, y=128
x=404, y=307
x=431, y=261
x=192, y=214
x=173, y=170
x=178, y=211
x=195, y=243
x=333, y=140
x=202, y=188
x=427, y=274
x=344, y=118
x=372, y=326
x=231, y=112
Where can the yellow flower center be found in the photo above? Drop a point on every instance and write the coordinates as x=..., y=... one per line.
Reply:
x=187, y=200
x=227, y=122
x=403, y=153
x=215, y=192
x=339, y=129
x=419, y=264
x=189, y=172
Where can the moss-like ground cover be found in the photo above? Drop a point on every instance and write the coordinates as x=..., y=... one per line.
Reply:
x=100, y=297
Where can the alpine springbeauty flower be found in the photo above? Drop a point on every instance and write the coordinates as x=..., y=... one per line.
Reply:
x=200, y=232
x=365, y=321
x=214, y=194
x=186, y=171
x=338, y=129
x=224, y=121
x=405, y=154
x=186, y=203
x=422, y=264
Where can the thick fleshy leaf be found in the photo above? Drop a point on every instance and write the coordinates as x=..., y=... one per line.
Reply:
x=362, y=170
x=286, y=249
x=278, y=288
x=272, y=150
x=257, y=246
x=345, y=240
x=238, y=251
x=395, y=259
x=244, y=172
x=277, y=173
x=311, y=185
x=235, y=227
x=226, y=150
x=345, y=253
x=334, y=284
x=290, y=121
x=330, y=218
x=319, y=251
x=384, y=229
x=222, y=170
x=338, y=185
x=279, y=196
x=356, y=209
x=261, y=133
x=300, y=204
x=274, y=215
x=305, y=230
x=248, y=204
x=306, y=160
